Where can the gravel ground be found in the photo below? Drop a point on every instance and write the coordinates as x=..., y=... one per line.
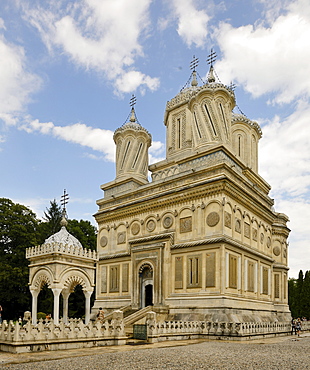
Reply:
x=287, y=354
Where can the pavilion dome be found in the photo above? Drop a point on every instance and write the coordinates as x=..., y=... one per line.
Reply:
x=63, y=237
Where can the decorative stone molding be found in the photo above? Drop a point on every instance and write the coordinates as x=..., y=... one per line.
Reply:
x=186, y=224
x=121, y=237
x=227, y=219
x=268, y=242
x=103, y=241
x=213, y=219
x=135, y=228
x=167, y=222
x=151, y=225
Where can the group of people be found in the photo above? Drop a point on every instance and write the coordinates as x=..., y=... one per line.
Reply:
x=296, y=326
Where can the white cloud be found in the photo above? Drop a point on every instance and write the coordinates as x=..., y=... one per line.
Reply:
x=156, y=152
x=285, y=153
x=299, y=212
x=192, y=23
x=2, y=25
x=273, y=59
x=131, y=80
x=79, y=133
x=101, y=35
x=16, y=83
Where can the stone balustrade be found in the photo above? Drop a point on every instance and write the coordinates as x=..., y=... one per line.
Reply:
x=194, y=329
x=74, y=334
x=60, y=248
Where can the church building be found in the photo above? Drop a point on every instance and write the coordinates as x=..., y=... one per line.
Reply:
x=200, y=240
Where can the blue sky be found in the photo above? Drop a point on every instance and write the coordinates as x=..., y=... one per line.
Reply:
x=68, y=69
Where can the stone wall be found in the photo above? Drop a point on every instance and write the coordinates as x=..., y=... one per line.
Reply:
x=46, y=335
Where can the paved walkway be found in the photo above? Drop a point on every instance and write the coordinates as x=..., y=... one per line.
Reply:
x=272, y=353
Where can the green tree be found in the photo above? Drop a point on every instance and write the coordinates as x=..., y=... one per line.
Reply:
x=305, y=296
x=18, y=231
x=292, y=297
x=51, y=224
x=84, y=231
x=299, y=285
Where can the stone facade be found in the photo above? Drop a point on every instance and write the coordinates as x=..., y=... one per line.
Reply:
x=200, y=241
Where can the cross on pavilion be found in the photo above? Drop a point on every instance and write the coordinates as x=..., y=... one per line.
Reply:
x=64, y=200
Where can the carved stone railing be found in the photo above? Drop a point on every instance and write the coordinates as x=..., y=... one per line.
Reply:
x=23, y=338
x=60, y=248
x=181, y=329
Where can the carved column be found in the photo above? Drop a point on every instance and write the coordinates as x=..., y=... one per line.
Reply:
x=56, y=292
x=34, y=293
x=65, y=296
x=87, y=294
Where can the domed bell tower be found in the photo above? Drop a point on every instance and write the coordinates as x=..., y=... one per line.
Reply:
x=199, y=117
x=132, y=144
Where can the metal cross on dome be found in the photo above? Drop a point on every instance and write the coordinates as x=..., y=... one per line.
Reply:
x=232, y=86
x=133, y=101
x=211, y=57
x=64, y=200
x=194, y=63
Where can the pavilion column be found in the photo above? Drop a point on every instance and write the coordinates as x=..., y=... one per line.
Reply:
x=87, y=295
x=65, y=296
x=56, y=292
x=34, y=309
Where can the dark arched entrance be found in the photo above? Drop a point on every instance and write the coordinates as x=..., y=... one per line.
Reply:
x=148, y=295
x=146, y=285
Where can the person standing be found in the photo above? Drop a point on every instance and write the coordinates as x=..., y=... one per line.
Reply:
x=298, y=326
x=294, y=330
x=1, y=314
x=100, y=315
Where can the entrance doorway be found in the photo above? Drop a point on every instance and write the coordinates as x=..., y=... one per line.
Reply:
x=148, y=295
x=146, y=285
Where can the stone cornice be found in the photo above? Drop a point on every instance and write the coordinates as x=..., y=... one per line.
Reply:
x=226, y=240
x=154, y=201
x=194, y=191
x=280, y=266
x=149, y=239
x=117, y=255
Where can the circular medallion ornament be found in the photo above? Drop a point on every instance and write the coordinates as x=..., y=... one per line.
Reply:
x=168, y=221
x=262, y=238
x=135, y=229
x=150, y=225
x=276, y=251
x=213, y=219
x=103, y=241
x=121, y=237
x=268, y=242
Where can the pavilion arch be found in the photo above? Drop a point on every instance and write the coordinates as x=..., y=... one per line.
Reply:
x=40, y=278
x=73, y=277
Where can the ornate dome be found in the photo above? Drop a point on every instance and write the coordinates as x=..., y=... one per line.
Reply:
x=64, y=237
